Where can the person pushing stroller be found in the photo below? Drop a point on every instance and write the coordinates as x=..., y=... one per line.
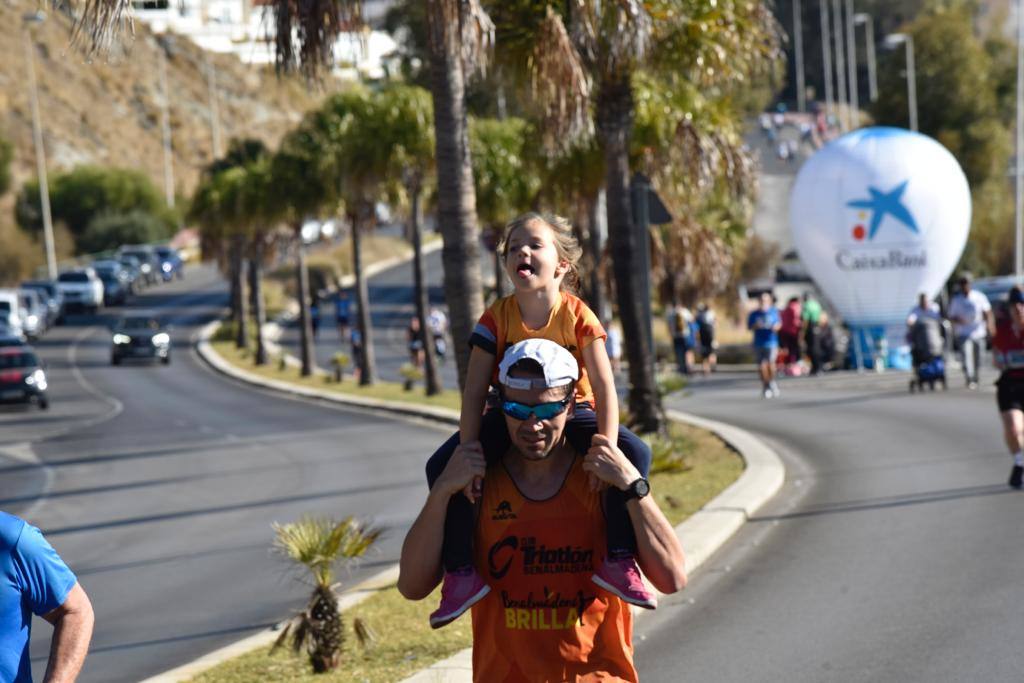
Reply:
x=926, y=334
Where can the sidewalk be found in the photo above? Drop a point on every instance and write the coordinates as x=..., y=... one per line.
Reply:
x=701, y=535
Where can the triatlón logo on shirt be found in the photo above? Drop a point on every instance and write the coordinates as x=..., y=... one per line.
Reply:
x=503, y=511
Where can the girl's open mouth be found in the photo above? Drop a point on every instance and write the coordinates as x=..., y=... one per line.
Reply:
x=524, y=270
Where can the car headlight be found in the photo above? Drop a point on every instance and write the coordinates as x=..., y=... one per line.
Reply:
x=161, y=339
x=37, y=379
x=122, y=339
x=166, y=267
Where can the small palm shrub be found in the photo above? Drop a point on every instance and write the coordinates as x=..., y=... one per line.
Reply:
x=317, y=545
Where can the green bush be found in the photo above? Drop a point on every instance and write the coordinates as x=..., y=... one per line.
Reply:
x=80, y=195
x=108, y=231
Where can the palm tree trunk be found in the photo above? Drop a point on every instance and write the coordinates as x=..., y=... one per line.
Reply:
x=432, y=379
x=259, y=311
x=238, y=291
x=615, y=119
x=367, y=363
x=305, y=324
x=456, y=198
x=594, y=243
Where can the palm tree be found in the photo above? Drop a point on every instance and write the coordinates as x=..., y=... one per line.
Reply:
x=506, y=183
x=592, y=64
x=300, y=190
x=354, y=159
x=459, y=34
x=318, y=545
x=409, y=114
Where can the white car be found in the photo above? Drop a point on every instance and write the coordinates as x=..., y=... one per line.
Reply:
x=10, y=311
x=81, y=288
x=33, y=313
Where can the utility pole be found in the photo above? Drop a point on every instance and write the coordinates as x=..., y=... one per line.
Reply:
x=851, y=43
x=37, y=138
x=837, y=24
x=798, y=47
x=211, y=79
x=826, y=58
x=1019, y=218
x=165, y=124
x=869, y=43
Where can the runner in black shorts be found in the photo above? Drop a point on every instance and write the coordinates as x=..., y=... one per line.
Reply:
x=1008, y=354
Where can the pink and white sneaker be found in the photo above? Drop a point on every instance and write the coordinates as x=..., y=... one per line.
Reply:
x=460, y=590
x=622, y=577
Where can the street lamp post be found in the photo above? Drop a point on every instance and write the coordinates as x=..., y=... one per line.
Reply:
x=798, y=48
x=892, y=40
x=837, y=31
x=165, y=124
x=1019, y=211
x=826, y=57
x=851, y=46
x=869, y=40
x=37, y=138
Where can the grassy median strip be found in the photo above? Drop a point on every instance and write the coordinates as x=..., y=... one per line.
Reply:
x=383, y=391
x=404, y=642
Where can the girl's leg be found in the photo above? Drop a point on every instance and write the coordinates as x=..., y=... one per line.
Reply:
x=579, y=430
x=457, y=548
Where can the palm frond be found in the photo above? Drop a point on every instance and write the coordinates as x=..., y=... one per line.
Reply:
x=305, y=32
x=319, y=543
x=99, y=23
x=560, y=86
x=461, y=28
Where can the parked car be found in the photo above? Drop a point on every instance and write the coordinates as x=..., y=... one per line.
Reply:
x=22, y=378
x=33, y=313
x=171, y=263
x=140, y=336
x=54, y=299
x=116, y=282
x=133, y=267
x=149, y=262
x=81, y=289
x=10, y=310
x=10, y=336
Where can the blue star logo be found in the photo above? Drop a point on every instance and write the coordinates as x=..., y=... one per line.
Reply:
x=882, y=203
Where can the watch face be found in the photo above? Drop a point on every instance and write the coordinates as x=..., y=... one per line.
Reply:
x=642, y=487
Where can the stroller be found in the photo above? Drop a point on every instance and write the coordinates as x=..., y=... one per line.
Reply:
x=927, y=343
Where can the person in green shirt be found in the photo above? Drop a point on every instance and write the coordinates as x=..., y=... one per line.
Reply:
x=809, y=316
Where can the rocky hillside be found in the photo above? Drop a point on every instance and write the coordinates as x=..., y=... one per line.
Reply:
x=107, y=110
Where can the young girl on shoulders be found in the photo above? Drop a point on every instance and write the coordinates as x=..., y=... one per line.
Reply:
x=540, y=255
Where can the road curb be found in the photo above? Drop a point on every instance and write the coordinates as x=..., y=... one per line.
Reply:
x=701, y=534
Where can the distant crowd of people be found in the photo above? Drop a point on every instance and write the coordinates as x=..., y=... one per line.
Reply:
x=692, y=335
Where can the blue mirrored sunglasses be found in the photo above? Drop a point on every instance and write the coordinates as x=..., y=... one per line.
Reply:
x=543, y=411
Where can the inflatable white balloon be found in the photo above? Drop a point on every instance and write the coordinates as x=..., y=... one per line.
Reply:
x=879, y=216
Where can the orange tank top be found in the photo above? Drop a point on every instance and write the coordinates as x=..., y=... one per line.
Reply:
x=544, y=619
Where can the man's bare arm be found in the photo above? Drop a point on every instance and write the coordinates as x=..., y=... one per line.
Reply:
x=419, y=569
x=72, y=631
x=658, y=549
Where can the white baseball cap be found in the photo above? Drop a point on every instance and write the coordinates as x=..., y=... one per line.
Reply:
x=559, y=366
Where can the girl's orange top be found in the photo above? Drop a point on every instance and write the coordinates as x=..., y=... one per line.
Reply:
x=571, y=323
x=544, y=619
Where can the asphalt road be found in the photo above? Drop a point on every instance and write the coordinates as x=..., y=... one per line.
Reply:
x=159, y=485
x=391, y=307
x=891, y=554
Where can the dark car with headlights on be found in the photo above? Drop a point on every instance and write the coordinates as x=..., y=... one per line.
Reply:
x=140, y=336
x=22, y=379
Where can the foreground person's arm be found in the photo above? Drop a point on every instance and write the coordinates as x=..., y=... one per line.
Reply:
x=72, y=631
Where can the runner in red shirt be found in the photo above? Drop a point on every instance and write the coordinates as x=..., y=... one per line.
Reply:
x=1008, y=354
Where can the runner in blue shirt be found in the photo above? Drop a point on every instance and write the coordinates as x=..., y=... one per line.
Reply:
x=34, y=580
x=765, y=322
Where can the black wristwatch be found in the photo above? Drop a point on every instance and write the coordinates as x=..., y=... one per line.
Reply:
x=638, y=489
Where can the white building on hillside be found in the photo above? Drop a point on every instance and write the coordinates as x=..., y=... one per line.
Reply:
x=245, y=28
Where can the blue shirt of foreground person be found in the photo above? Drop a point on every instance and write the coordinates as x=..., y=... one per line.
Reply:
x=34, y=580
